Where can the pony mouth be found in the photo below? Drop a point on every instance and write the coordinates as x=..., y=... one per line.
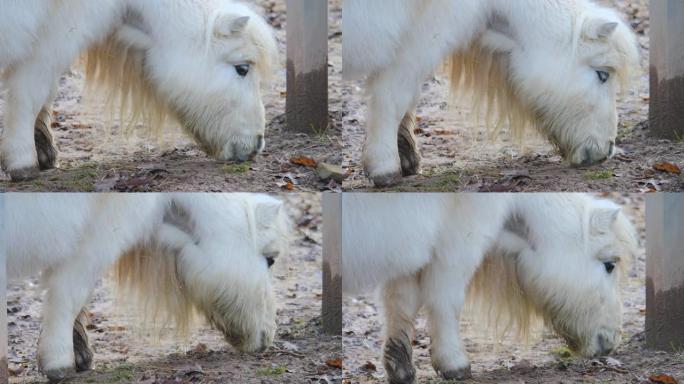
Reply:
x=590, y=154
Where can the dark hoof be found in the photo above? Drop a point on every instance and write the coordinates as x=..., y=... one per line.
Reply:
x=45, y=145
x=386, y=180
x=408, y=147
x=57, y=375
x=398, y=361
x=24, y=174
x=458, y=374
x=82, y=352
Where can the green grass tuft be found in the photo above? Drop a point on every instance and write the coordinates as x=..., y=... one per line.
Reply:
x=598, y=175
x=272, y=371
x=237, y=168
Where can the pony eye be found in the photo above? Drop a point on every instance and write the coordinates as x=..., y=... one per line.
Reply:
x=242, y=69
x=270, y=261
x=603, y=76
x=609, y=265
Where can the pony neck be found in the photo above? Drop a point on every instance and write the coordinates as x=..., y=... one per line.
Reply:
x=534, y=22
x=545, y=219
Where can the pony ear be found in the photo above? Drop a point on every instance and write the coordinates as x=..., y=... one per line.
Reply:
x=603, y=218
x=599, y=29
x=230, y=25
x=134, y=37
x=267, y=210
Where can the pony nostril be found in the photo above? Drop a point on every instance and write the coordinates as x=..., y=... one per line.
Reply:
x=261, y=143
x=611, y=148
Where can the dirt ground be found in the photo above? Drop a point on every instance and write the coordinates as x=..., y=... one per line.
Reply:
x=300, y=353
x=544, y=360
x=96, y=157
x=459, y=155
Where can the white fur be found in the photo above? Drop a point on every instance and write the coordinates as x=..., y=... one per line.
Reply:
x=533, y=63
x=154, y=57
x=176, y=252
x=519, y=256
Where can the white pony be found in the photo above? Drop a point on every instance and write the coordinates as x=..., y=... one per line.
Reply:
x=179, y=253
x=553, y=256
x=200, y=62
x=553, y=65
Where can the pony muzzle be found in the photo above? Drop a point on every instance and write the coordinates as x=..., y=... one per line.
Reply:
x=242, y=148
x=592, y=154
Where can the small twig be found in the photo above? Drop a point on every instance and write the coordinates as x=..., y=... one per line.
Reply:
x=285, y=352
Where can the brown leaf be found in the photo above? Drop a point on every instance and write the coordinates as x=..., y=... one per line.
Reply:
x=287, y=186
x=304, y=161
x=369, y=366
x=662, y=379
x=668, y=167
x=335, y=363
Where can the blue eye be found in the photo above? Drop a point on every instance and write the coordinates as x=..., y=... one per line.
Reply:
x=603, y=76
x=242, y=69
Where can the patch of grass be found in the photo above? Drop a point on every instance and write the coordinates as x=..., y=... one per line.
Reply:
x=678, y=353
x=598, y=175
x=123, y=373
x=83, y=178
x=237, y=168
x=272, y=371
x=320, y=133
x=563, y=352
x=564, y=357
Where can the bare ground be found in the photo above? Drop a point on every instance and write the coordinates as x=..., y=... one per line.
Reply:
x=459, y=154
x=123, y=355
x=544, y=360
x=97, y=157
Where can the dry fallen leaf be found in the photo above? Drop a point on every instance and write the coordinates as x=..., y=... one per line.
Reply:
x=662, y=379
x=335, y=363
x=304, y=161
x=288, y=186
x=668, y=167
x=369, y=366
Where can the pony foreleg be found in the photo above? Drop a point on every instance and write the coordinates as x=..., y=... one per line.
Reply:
x=388, y=105
x=401, y=304
x=443, y=293
x=68, y=289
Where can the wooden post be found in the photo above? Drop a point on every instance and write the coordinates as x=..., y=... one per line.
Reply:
x=666, y=116
x=332, y=269
x=307, y=66
x=665, y=271
x=3, y=304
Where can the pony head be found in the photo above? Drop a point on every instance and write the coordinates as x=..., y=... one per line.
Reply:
x=561, y=80
x=204, y=67
x=213, y=259
x=568, y=276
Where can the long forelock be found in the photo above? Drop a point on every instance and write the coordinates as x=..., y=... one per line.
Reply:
x=117, y=72
x=148, y=279
x=496, y=297
x=482, y=75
